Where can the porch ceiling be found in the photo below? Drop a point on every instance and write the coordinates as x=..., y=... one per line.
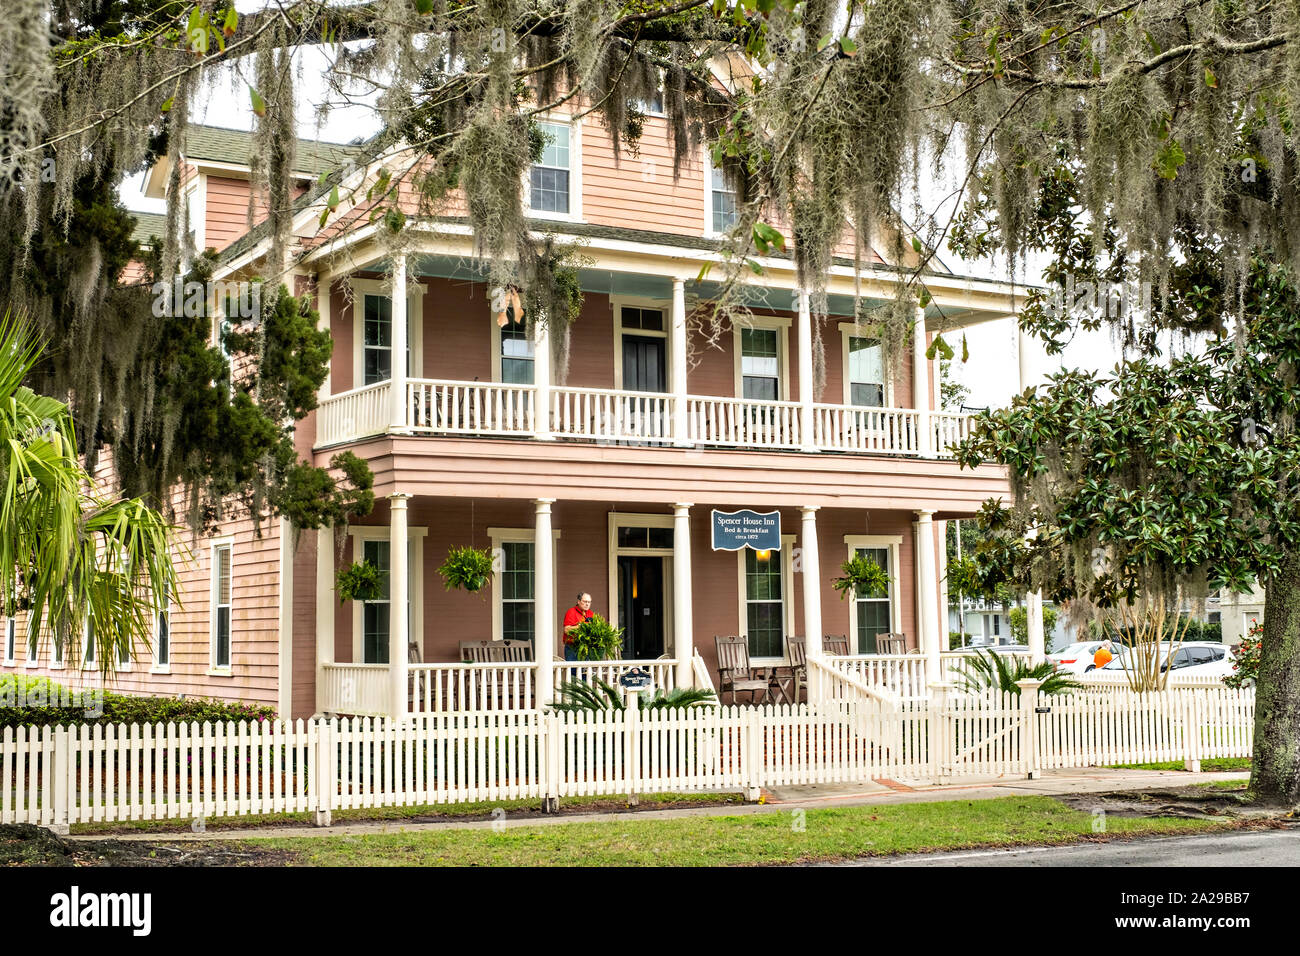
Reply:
x=957, y=302
x=487, y=468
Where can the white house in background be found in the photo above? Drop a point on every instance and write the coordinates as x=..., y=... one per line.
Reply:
x=989, y=622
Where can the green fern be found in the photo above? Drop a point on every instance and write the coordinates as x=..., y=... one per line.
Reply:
x=598, y=696
x=986, y=671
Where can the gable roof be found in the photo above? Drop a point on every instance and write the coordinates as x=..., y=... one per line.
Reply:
x=220, y=145
x=148, y=224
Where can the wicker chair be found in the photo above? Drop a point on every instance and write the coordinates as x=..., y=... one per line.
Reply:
x=734, y=671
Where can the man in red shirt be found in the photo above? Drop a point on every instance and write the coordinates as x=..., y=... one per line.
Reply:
x=572, y=618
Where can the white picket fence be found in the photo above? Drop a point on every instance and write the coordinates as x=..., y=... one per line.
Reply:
x=57, y=776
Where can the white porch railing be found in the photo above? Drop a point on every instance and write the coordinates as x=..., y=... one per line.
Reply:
x=471, y=408
x=662, y=672
x=903, y=675
x=356, y=413
x=891, y=431
x=737, y=421
x=362, y=689
x=457, y=688
x=491, y=409
x=829, y=682
x=603, y=414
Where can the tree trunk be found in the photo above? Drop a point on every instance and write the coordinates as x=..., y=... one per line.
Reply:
x=1275, y=767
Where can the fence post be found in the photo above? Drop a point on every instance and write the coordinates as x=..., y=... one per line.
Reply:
x=631, y=744
x=62, y=761
x=549, y=750
x=753, y=755
x=326, y=778
x=1033, y=762
x=1194, y=716
x=942, y=742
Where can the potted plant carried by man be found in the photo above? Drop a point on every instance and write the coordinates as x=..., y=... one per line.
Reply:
x=595, y=639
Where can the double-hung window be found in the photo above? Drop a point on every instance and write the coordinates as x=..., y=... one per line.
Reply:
x=764, y=603
x=873, y=613
x=549, y=179
x=377, y=314
x=760, y=364
x=722, y=205
x=222, y=606
x=517, y=591
x=376, y=612
x=516, y=355
x=866, y=372
x=162, y=632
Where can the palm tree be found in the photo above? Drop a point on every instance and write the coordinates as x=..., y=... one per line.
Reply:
x=69, y=556
x=986, y=671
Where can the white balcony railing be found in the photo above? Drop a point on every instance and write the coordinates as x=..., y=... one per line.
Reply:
x=354, y=414
x=491, y=409
x=602, y=414
x=471, y=408
x=742, y=422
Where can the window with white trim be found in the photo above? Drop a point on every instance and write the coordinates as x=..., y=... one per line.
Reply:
x=518, y=599
x=517, y=358
x=873, y=613
x=33, y=644
x=162, y=631
x=722, y=202
x=377, y=359
x=222, y=606
x=372, y=310
x=376, y=612
x=764, y=603
x=88, y=645
x=866, y=372
x=760, y=364
x=11, y=640
x=549, y=179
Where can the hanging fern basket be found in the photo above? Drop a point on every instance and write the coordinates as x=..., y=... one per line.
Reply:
x=863, y=577
x=467, y=569
x=361, y=581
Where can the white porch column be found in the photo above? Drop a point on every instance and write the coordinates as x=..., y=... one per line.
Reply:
x=806, y=442
x=544, y=602
x=1037, y=639
x=927, y=597
x=542, y=380
x=324, y=609
x=678, y=360
x=399, y=409
x=399, y=594
x=683, y=611
x=921, y=388
x=812, y=585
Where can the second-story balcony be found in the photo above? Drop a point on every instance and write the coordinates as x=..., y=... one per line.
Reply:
x=599, y=415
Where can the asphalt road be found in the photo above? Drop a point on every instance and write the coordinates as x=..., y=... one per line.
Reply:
x=1240, y=848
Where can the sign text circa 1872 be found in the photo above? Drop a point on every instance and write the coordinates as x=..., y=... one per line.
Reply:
x=733, y=530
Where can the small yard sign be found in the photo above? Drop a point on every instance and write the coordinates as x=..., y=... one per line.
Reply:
x=733, y=530
x=638, y=678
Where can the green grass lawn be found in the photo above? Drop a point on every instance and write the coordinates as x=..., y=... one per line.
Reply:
x=1210, y=765
x=650, y=801
x=770, y=837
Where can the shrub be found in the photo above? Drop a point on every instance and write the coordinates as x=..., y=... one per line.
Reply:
x=116, y=709
x=1245, y=658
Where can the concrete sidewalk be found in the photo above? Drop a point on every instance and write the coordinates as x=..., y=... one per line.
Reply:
x=779, y=800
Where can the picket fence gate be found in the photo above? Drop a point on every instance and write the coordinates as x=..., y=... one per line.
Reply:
x=57, y=776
